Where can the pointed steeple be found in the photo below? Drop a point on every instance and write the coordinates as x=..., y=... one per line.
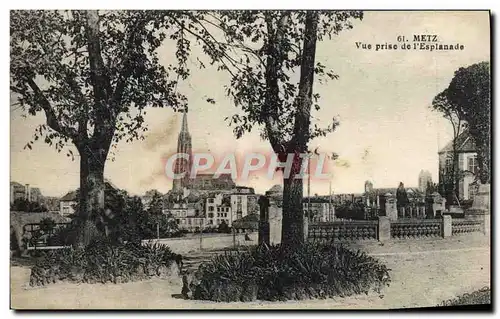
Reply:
x=184, y=127
x=183, y=147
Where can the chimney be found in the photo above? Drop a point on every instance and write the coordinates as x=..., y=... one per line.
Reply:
x=27, y=192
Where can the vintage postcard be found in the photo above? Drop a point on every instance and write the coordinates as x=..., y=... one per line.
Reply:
x=170, y=159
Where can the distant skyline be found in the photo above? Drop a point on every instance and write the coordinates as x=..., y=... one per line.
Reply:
x=387, y=132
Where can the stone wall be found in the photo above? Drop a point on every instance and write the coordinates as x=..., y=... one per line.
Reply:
x=185, y=245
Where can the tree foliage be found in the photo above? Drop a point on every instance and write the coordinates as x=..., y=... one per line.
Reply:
x=450, y=176
x=469, y=98
x=88, y=71
x=93, y=74
x=262, y=51
x=270, y=58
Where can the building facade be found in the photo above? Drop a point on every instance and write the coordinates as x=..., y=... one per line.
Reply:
x=67, y=204
x=218, y=209
x=243, y=201
x=17, y=191
x=467, y=166
x=186, y=216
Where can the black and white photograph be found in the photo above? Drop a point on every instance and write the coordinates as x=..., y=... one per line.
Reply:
x=250, y=159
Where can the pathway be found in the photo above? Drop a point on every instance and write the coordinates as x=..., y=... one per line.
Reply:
x=424, y=273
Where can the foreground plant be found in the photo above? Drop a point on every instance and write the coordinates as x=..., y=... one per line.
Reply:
x=102, y=262
x=281, y=273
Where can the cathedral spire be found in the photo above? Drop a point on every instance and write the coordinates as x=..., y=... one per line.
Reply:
x=183, y=147
x=184, y=127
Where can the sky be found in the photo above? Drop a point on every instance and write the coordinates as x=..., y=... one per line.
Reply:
x=387, y=132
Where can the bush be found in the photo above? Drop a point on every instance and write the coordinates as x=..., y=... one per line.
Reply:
x=281, y=273
x=102, y=262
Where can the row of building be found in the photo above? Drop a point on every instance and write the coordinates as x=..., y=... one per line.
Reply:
x=20, y=195
x=205, y=201
x=25, y=192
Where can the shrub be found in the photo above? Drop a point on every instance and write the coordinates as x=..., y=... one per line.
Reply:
x=102, y=262
x=282, y=273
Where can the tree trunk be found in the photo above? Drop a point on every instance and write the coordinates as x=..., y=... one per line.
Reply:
x=293, y=214
x=292, y=231
x=91, y=204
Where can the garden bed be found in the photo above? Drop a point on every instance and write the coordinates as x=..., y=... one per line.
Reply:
x=101, y=262
x=281, y=273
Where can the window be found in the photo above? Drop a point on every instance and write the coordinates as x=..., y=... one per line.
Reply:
x=210, y=215
x=210, y=208
x=218, y=209
x=211, y=200
x=472, y=164
x=449, y=162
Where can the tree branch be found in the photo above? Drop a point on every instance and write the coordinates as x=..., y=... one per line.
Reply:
x=52, y=120
x=100, y=81
x=272, y=101
x=302, y=116
x=198, y=37
x=127, y=68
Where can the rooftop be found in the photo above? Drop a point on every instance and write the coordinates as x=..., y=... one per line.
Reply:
x=464, y=143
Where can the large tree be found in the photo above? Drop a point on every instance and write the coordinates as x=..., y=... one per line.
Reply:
x=469, y=92
x=270, y=57
x=451, y=175
x=468, y=99
x=93, y=74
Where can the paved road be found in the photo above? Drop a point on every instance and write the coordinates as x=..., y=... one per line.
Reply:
x=424, y=273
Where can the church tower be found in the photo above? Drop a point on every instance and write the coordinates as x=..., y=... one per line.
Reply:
x=183, y=146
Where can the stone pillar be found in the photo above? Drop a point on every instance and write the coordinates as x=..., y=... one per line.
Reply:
x=384, y=228
x=446, y=226
x=438, y=204
x=390, y=209
x=264, y=221
x=482, y=199
x=275, y=218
